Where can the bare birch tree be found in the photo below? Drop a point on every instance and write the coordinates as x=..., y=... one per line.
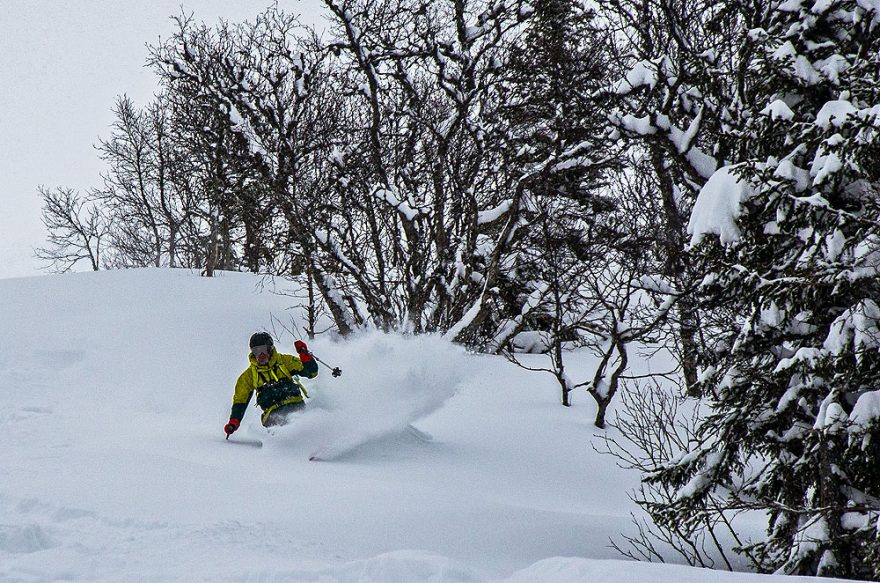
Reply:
x=77, y=230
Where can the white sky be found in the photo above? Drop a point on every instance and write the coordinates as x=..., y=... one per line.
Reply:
x=62, y=64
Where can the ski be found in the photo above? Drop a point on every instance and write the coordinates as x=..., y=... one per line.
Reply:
x=419, y=434
x=245, y=441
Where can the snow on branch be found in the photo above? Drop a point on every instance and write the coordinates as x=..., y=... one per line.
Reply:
x=512, y=326
x=866, y=411
x=718, y=206
x=702, y=480
x=390, y=197
x=334, y=297
x=858, y=327
x=332, y=246
x=778, y=110
x=642, y=126
x=683, y=140
x=495, y=213
x=834, y=113
x=642, y=74
x=465, y=321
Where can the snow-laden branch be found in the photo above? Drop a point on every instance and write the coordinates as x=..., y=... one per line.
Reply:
x=389, y=196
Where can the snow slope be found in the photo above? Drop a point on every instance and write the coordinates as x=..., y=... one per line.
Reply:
x=439, y=465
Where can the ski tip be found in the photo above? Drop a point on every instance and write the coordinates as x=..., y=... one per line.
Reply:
x=315, y=458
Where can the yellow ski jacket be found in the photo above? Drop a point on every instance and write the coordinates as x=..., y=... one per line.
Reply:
x=279, y=367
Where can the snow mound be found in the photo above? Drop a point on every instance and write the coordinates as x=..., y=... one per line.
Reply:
x=28, y=538
x=404, y=567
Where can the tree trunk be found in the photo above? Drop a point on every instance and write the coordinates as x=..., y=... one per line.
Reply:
x=311, y=312
x=211, y=254
x=676, y=261
x=600, y=412
x=688, y=330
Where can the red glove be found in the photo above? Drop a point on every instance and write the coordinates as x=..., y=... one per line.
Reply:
x=303, y=351
x=231, y=426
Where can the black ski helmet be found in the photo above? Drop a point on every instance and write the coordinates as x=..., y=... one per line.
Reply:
x=261, y=339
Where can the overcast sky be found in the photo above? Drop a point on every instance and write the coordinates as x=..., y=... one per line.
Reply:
x=62, y=64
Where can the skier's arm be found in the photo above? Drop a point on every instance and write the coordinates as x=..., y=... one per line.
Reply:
x=307, y=369
x=244, y=389
x=238, y=409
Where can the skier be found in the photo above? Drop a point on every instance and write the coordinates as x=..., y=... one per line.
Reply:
x=271, y=375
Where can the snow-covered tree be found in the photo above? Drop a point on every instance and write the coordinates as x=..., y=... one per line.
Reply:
x=554, y=127
x=789, y=242
x=375, y=151
x=677, y=99
x=261, y=133
x=425, y=209
x=229, y=221
x=554, y=123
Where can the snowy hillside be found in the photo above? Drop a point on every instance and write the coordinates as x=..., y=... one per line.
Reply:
x=440, y=466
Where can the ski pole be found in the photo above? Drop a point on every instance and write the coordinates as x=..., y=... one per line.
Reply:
x=335, y=370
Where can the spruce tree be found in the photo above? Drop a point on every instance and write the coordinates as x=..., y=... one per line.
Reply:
x=554, y=128
x=793, y=381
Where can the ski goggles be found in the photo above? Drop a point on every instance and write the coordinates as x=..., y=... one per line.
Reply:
x=261, y=349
